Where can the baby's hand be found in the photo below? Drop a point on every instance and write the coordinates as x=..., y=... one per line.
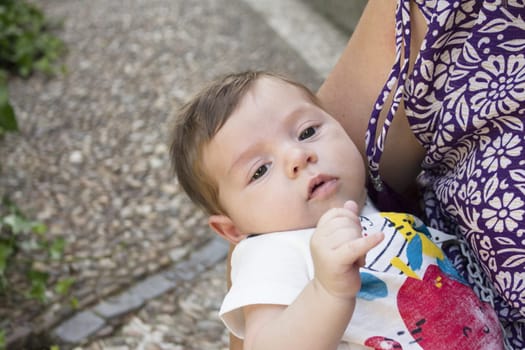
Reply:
x=339, y=250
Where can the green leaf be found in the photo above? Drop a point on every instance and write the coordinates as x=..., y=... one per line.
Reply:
x=7, y=113
x=56, y=248
x=37, y=292
x=74, y=303
x=8, y=203
x=8, y=118
x=30, y=245
x=38, y=281
x=18, y=223
x=38, y=276
x=39, y=228
x=6, y=249
x=2, y=339
x=62, y=287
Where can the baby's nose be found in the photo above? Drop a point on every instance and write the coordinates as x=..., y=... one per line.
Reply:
x=298, y=158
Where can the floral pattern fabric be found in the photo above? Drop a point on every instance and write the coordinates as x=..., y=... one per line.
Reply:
x=465, y=102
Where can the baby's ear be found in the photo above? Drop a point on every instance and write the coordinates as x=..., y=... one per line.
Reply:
x=225, y=228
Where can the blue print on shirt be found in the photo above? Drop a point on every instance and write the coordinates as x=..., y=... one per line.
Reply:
x=371, y=287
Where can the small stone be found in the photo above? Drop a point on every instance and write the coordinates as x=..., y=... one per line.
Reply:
x=156, y=163
x=177, y=253
x=76, y=157
x=161, y=148
x=152, y=346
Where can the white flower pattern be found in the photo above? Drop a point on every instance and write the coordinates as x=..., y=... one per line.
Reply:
x=498, y=154
x=512, y=286
x=500, y=86
x=487, y=253
x=504, y=213
x=465, y=102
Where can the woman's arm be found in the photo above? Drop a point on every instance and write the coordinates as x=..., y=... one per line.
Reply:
x=351, y=89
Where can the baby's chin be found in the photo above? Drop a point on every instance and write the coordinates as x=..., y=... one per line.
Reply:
x=289, y=226
x=308, y=218
x=335, y=202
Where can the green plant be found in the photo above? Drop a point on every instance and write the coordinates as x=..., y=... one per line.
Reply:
x=23, y=245
x=27, y=45
x=26, y=40
x=24, y=248
x=7, y=114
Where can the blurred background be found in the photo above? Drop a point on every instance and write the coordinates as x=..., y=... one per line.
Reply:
x=99, y=249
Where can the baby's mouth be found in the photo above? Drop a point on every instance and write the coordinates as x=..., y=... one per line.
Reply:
x=319, y=185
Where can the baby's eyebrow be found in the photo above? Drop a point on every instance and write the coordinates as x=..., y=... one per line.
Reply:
x=245, y=155
x=241, y=158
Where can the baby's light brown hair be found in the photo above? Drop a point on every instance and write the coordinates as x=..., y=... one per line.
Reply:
x=197, y=123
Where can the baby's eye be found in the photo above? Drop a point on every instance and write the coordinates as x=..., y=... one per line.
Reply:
x=259, y=172
x=307, y=133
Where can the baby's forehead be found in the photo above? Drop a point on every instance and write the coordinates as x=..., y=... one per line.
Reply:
x=278, y=87
x=271, y=82
x=267, y=107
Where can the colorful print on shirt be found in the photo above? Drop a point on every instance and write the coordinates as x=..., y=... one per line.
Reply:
x=434, y=302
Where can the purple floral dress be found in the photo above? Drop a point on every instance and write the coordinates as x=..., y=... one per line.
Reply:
x=465, y=102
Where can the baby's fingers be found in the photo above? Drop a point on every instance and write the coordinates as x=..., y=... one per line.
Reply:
x=352, y=207
x=336, y=214
x=355, y=251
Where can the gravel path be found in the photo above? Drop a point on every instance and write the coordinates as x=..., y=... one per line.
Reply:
x=91, y=160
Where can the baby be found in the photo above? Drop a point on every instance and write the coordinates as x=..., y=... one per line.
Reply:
x=315, y=265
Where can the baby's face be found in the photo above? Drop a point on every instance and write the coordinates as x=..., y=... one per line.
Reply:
x=280, y=161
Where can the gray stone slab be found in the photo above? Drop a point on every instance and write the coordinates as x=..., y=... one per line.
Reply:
x=185, y=271
x=79, y=327
x=152, y=287
x=305, y=29
x=16, y=337
x=214, y=251
x=343, y=13
x=118, y=305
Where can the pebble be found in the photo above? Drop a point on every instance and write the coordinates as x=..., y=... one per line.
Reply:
x=76, y=157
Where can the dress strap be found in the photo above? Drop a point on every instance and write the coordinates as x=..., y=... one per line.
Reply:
x=374, y=148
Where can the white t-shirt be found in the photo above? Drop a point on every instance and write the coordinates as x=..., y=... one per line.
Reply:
x=410, y=295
